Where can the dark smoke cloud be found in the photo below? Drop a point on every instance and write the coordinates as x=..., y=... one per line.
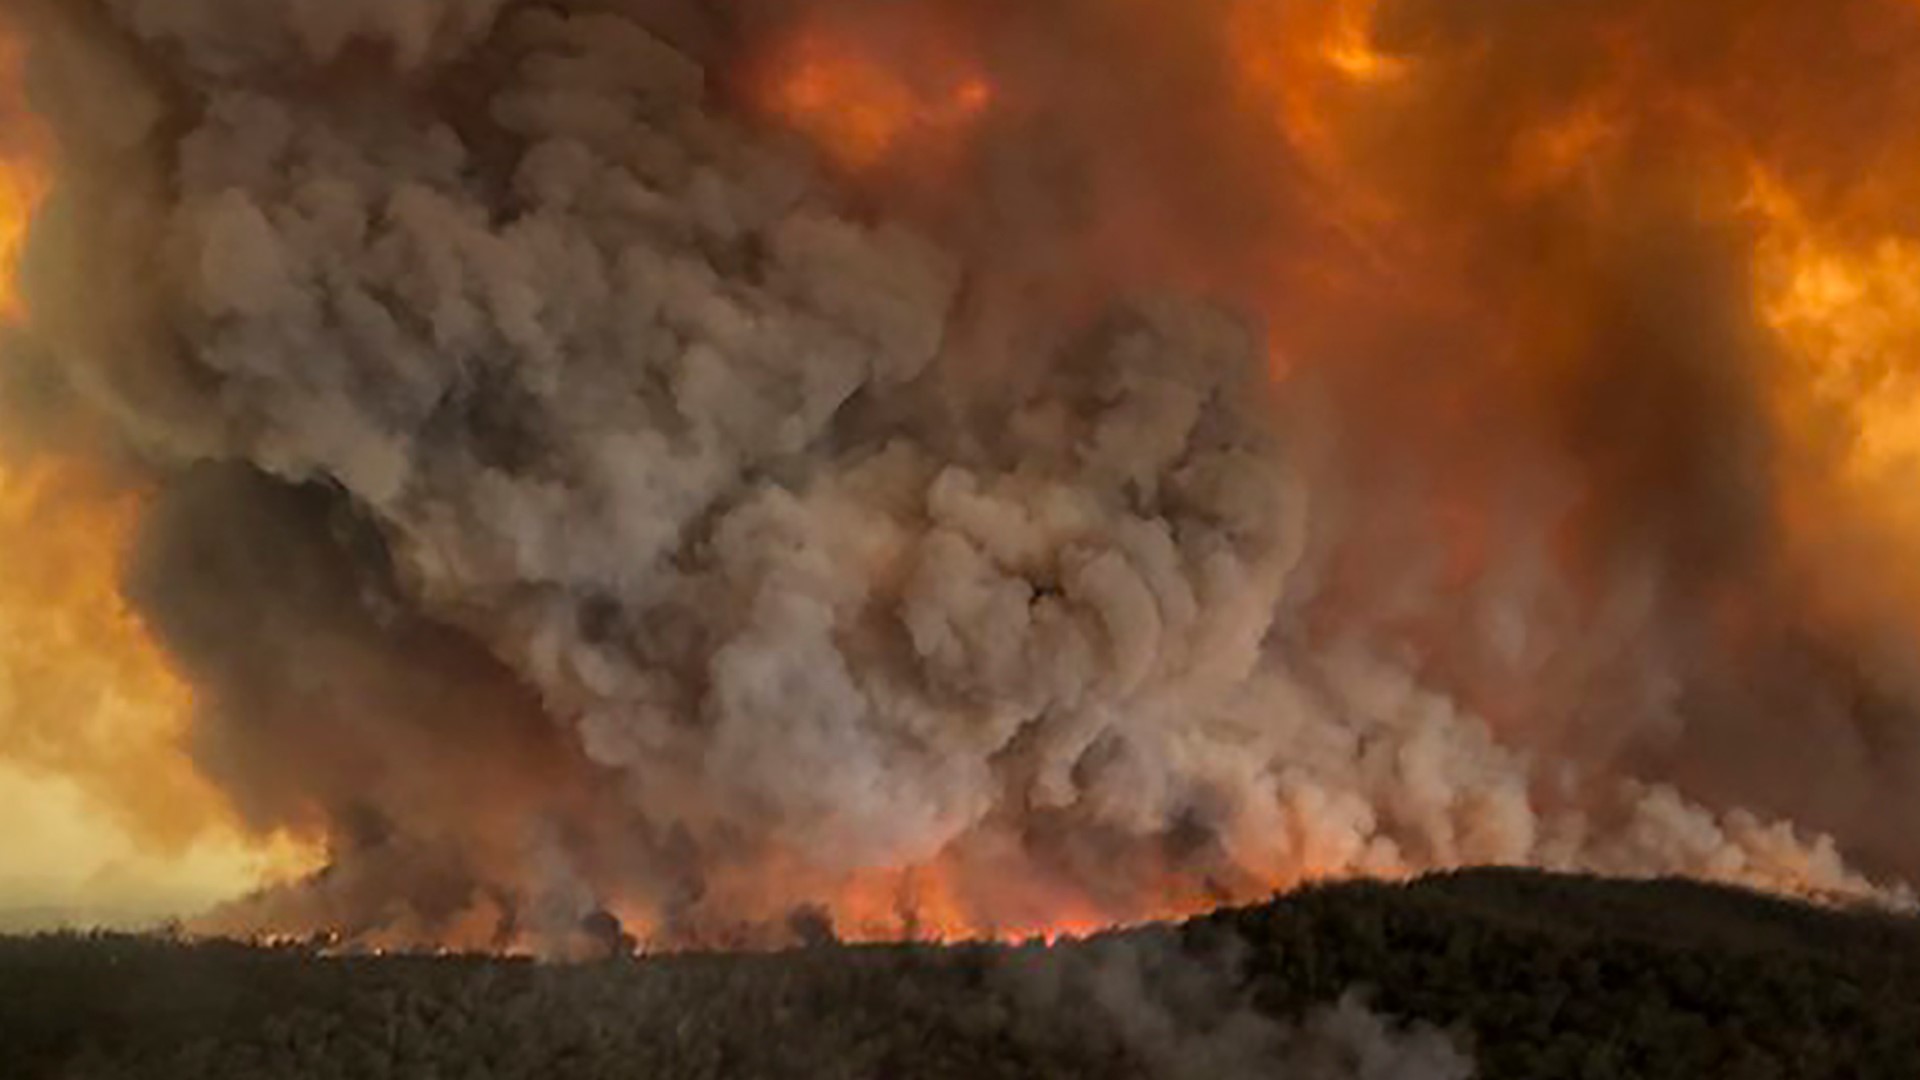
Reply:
x=580, y=498
x=322, y=698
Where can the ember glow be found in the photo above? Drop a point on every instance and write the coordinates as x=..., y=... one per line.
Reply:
x=939, y=470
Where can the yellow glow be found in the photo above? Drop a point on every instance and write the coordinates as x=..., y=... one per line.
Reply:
x=105, y=815
x=1848, y=312
x=68, y=862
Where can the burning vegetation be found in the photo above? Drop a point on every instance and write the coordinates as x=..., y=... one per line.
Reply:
x=1649, y=980
x=952, y=469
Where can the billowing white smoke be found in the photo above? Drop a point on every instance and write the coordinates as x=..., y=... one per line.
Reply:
x=697, y=455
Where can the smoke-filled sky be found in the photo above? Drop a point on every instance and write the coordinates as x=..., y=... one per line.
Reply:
x=959, y=467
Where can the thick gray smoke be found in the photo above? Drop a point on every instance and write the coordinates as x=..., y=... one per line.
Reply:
x=571, y=502
x=1189, y=1016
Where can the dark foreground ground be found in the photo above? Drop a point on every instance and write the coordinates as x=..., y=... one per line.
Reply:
x=1532, y=976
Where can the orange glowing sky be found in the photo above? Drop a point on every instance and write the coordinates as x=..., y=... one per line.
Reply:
x=105, y=811
x=106, y=818
x=106, y=814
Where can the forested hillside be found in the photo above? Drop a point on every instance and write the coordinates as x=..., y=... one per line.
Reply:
x=1509, y=974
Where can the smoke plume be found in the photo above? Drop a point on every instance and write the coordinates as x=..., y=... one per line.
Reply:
x=1189, y=1015
x=984, y=467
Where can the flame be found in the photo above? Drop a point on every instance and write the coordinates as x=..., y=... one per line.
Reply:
x=938, y=902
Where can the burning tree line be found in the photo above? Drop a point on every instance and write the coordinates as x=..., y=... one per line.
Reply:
x=1499, y=974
